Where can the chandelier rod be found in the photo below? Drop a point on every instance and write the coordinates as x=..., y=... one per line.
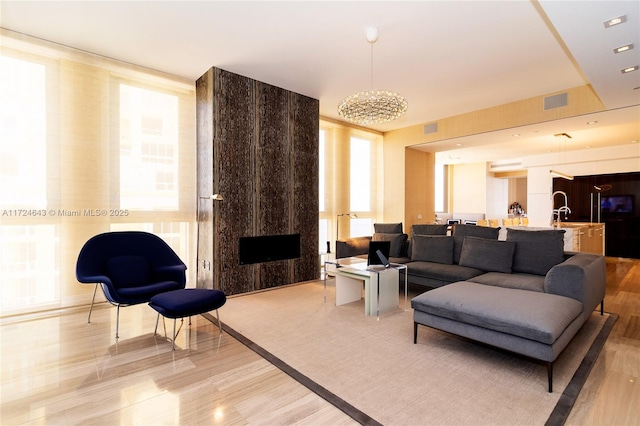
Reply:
x=371, y=42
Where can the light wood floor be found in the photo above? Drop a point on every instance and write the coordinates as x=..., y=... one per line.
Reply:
x=61, y=371
x=57, y=369
x=611, y=395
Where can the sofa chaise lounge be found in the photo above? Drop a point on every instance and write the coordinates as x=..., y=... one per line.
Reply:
x=524, y=294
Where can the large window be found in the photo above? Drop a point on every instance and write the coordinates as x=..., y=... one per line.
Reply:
x=349, y=183
x=28, y=274
x=360, y=186
x=23, y=134
x=440, y=190
x=148, y=149
x=322, y=175
x=323, y=229
x=87, y=145
x=360, y=175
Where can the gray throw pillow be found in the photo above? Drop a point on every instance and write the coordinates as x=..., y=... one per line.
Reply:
x=387, y=228
x=428, y=229
x=432, y=248
x=461, y=231
x=487, y=255
x=536, y=251
x=397, y=242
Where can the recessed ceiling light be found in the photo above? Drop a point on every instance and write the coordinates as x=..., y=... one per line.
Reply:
x=515, y=135
x=623, y=48
x=615, y=21
x=458, y=144
x=629, y=69
x=591, y=122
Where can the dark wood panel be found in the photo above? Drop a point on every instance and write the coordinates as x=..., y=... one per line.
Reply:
x=233, y=139
x=305, y=206
x=273, y=167
x=264, y=161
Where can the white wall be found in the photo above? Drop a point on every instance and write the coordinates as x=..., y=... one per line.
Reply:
x=497, y=197
x=469, y=188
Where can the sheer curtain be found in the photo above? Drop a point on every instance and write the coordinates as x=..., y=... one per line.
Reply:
x=87, y=145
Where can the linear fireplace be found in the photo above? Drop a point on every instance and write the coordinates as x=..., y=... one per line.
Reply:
x=269, y=248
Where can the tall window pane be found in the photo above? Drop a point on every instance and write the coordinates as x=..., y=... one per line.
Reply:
x=28, y=271
x=360, y=175
x=148, y=149
x=29, y=275
x=321, y=174
x=360, y=227
x=323, y=235
x=23, y=132
x=439, y=187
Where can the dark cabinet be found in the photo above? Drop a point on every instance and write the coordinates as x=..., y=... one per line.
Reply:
x=622, y=225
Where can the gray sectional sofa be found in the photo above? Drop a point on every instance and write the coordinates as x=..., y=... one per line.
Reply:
x=524, y=294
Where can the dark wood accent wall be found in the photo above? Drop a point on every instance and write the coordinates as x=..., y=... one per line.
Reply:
x=257, y=147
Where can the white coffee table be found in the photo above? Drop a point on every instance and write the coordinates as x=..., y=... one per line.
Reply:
x=380, y=284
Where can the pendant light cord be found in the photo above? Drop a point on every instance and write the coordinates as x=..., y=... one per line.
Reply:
x=371, y=66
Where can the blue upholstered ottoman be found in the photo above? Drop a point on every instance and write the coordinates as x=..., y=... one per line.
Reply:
x=187, y=302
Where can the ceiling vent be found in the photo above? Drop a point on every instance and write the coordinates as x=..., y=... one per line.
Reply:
x=555, y=101
x=505, y=165
x=430, y=128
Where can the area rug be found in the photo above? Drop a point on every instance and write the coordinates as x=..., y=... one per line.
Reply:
x=372, y=370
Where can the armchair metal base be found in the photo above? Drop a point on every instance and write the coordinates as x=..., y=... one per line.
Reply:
x=117, y=305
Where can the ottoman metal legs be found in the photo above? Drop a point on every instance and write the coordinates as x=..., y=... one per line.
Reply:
x=185, y=303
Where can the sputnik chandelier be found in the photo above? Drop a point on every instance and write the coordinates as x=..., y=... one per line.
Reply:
x=372, y=106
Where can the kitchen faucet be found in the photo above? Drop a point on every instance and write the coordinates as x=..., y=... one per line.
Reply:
x=558, y=211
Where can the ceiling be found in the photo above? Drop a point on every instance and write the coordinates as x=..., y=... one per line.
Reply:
x=446, y=57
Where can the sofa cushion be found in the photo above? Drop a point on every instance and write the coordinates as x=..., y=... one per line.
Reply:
x=397, y=242
x=536, y=251
x=487, y=255
x=442, y=272
x=461, y=231
x=539, y=317
x=432, y=248
x=388, y=228
x=529, y=282
x=428, y=229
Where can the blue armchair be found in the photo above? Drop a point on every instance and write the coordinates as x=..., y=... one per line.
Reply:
x=130, y=266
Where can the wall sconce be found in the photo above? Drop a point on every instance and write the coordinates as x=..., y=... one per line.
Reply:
x=351, y=215
x=560, y=174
